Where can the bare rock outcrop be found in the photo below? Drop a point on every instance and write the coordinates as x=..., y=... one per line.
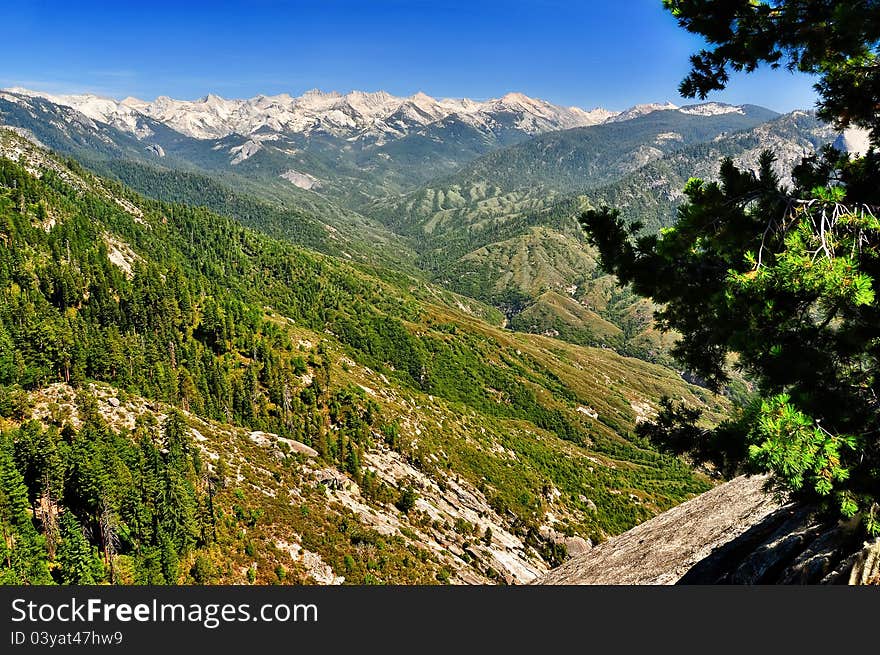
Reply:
x=866, y=567
x=737, y=533
x=663, y=549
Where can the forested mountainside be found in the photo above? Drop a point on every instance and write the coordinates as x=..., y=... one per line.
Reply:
x=516, y=244
x=652, y=194
x=556, y=163
x=311, y=222
x=171, y=165
x=481, y=197
x=185, y=399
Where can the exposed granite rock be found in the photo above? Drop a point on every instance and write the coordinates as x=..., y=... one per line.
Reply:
x=662, y=549
x=866, y=567
x=736, y=533
x=791, y=546
x=575, y=546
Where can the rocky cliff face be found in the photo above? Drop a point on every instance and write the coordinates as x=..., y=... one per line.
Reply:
x=737, y=533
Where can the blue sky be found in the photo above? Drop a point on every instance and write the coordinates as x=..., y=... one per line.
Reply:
x=607, y=53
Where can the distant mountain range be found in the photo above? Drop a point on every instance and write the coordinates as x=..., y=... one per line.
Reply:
x=479, y=195
x=374, y=117
x=377, y=116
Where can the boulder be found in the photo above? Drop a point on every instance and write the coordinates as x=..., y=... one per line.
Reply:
x=576, y=545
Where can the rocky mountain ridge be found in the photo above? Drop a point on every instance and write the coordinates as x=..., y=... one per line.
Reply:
x=359, y=115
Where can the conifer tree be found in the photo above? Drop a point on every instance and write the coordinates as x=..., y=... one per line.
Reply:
x=22, y=549
x=77, y=563
x=179, y=506
x=783, y=281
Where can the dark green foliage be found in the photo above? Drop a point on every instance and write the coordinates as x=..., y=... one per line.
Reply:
x=77, y=561
x=783, y=279
x=134, y=497
x=23, y=557
x=837, y=40
x=202, y=191
x=202, y=570
x=407, y=500
x=676, y=431
x=742, y=272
